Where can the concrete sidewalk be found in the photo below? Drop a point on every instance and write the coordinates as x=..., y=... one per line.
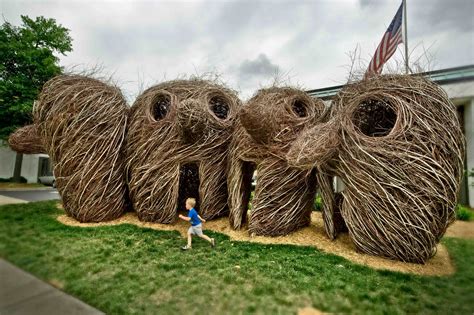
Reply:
x=27, y=195
x=26, y=188
x=22, y=293
x=5, y=200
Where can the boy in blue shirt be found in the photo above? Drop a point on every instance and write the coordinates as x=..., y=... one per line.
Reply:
x=196, y=226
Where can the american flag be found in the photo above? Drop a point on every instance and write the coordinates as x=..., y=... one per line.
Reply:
x=388, y=45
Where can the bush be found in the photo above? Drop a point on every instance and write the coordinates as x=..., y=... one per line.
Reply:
x=10, y=180
x=471, y=174
x=464, y=213
x=252, y=193
x=318, y=204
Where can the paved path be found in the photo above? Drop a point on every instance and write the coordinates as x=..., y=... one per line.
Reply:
x=22, y=293
x=4, y=200
x=27, y=195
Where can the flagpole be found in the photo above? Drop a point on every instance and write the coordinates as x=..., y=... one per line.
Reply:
x=405, y=34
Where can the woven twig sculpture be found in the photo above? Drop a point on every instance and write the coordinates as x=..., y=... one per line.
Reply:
x=267, y=125
x=396, y=143
x=178, y=141
x=82, y=123
x=332, y=204
x=26, y=140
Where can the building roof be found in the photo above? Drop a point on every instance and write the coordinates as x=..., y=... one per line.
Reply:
x=444, y=76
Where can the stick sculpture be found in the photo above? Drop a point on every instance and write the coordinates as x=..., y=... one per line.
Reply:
x=81, y=122
x=394, y=140
x=267, y=126
x=396, y=143
x=178, y=141
x=26, y=140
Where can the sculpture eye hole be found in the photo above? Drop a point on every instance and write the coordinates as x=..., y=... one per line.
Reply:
x=161, y=106
x=374, y=118
x=219, y=106
x=300, y=108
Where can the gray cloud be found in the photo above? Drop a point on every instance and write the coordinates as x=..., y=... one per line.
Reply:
x=260, y=67
x=144, y=42
x=370, y=3
x=442, y=15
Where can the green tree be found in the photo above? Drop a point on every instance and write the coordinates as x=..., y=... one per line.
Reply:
x=471, y=174
x=28, y=55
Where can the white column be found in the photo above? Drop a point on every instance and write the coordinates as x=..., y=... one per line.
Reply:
x=29, y=167
x=7, y=160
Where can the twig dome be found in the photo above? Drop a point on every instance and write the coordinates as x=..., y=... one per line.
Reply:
x=399, y=150
x=266, y=127
x=26, y=140
x=82, y=124
x=178, y=140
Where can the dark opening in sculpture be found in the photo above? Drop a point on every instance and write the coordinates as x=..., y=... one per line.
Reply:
x=374, y=118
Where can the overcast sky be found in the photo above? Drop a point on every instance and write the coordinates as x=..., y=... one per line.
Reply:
x=248, y=43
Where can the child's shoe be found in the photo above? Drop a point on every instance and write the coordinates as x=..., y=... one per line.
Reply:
x=186, y=247
x=213, y=242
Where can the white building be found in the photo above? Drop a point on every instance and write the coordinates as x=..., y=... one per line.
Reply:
x=33, y=166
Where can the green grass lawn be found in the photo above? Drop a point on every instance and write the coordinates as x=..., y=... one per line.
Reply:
x=129, y=270
x=20, y=185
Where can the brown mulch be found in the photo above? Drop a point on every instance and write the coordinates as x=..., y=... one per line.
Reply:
x=313, y=235
x=310, y=311
x=461, y=229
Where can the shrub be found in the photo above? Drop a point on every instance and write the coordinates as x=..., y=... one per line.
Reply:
x=318, y=205
x=252, y=193
x=464, y=213
x=471, y=174
x=9, y=180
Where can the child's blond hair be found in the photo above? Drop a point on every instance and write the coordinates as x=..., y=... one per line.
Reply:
x=191, y=202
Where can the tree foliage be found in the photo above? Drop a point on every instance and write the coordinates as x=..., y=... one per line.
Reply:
x=29, y=58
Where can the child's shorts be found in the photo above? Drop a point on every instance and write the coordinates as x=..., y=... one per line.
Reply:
x=195, y=230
